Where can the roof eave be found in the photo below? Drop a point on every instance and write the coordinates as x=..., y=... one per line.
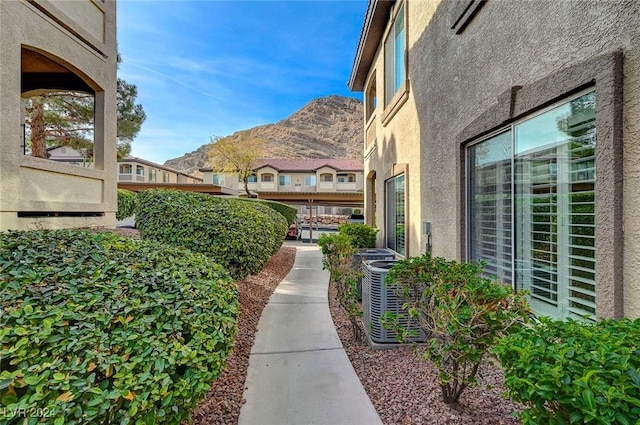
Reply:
x=375, y=22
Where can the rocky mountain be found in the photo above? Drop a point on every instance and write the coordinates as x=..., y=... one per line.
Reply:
x=327, y=127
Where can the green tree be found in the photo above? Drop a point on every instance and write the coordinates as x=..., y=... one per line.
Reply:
x=67, y=118
x=61, y=118
x=236, y=154
x=130, y=116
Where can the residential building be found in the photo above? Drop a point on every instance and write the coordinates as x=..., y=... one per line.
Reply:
x=45, y=47
x=331, y=183
x=506, y=131
x=130, y=168
x=69, y=155
x=133, y=169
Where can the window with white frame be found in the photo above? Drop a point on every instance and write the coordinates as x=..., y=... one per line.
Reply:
x=394, y=52
x=152, y=174
x=284, y=180
x=140, y=170
x=266, y=178
x=125, y=168
x=531, y=208
x=346, y=178
x=395, y=207
x=165, y=177
x=218, y=179
x=326, y=177
x=310, y=180
x=252, y=179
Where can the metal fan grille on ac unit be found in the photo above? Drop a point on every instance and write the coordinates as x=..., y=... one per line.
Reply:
x=378, y=299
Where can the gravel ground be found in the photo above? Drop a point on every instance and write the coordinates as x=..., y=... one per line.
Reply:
x=403, y=388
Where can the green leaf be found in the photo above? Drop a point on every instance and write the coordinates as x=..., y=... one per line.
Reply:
x=589, y=399
x=622, y=420
x=133, y=410
x=21, y=331
x=30, y=380
x=575, y=417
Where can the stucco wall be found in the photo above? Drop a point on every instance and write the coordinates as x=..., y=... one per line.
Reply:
x=455, y=78
x=398, y=138
x=86, y=15
x=29, y=25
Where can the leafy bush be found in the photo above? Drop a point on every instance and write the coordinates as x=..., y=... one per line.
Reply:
x=277, y=221
x=96, y=328
x=287, y=211
x=463, y=312
x=240, y=235
x=126, y=204
x=574, y=372
x=338, y=255
x=360, y=235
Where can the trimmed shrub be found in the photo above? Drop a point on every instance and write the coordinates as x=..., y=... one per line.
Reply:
x=361, y=235
x=97, y=328
x=239, y=235
x=574, y=372
x=464, y=313
x=287, y=211
x=338, y=254
x=280, y=226
x=126, y=204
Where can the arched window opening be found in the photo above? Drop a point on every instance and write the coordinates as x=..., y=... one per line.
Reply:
x=59, y=110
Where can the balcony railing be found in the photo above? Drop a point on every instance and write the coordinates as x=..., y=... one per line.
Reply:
x=346, y=186
x=267, y=186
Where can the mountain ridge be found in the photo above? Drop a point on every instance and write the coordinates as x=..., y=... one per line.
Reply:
x=326, y=127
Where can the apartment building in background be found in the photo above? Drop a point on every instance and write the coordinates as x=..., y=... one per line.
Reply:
x=130, y=168
x=331, y=184
x=133, y=169
x=507, y=131
x=46, y=47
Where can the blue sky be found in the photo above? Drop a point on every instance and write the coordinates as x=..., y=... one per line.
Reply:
x=210, y=68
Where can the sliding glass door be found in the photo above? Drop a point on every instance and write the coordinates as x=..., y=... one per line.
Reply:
x=490, y=207
x=532, y=207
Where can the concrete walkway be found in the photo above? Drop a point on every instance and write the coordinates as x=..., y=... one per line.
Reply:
x=299, y=373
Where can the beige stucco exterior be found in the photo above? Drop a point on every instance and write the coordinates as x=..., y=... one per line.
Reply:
x=78, y=37
x=474, y=67
x=314, y=179
x=132, y=169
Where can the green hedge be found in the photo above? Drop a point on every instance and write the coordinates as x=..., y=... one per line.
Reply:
x=240, y=235
x=287, y=211
x=361, y=235
x=97, y=328
x=574, y=372
x=126, y=204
